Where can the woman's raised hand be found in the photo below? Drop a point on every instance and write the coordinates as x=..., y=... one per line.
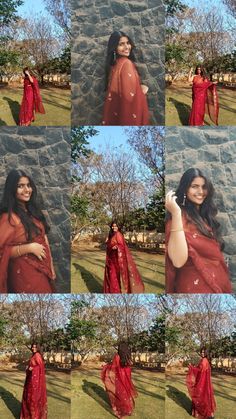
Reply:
x=171, y=204
x=38, y=250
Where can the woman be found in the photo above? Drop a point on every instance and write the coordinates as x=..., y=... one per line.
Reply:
x=200, y=388
x=204, y=95
x=194, y=261
x=25, y=258
x=121, y=274
x=125, y=102
x=32, y=101
x=117, y=380
x=34, y=401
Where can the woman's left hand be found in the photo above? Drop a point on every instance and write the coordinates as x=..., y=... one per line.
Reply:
x=114, y=247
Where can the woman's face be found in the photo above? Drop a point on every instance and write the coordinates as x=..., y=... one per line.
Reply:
x=34, y=349
x=203, y=354
x=199, y=70
x=114, y=227
x=124, y=47
x=197, y=192
x=24, y=190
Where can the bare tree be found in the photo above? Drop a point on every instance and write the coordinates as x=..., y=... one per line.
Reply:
x=60, y=10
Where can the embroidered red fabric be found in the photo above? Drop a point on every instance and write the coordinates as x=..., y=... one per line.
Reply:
x=205, y=99
x=31, y=102
x=200, y=389
x=205, y=270
x=34, y=401
x=119, y=387
x=25, y=273
x=121, y=273
x=125, y=103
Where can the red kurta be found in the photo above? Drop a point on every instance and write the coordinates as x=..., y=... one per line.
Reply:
x=205, y=98
x=119, y=387
x=31, y=102
x=200, y=389
x=205, y=270
x=24, y=274
x=125, y=103
x=121, y=274
x=34, y=401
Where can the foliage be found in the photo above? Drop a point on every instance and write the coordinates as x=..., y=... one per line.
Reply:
x=79, y=142
x=8, y=11
x=61, y=64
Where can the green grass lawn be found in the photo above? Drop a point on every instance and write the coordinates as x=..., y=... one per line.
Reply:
x=89, y=398
x=179, y=103
x=87, y=270
x=58, y=392
x=178, y=403
x=56, y=101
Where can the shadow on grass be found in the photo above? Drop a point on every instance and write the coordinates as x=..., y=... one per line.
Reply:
x=14, y=107
x=91, y=281
x=179, y=398
x=182, y=109
x=11, y=402
x=97, y=393
x=2, y=122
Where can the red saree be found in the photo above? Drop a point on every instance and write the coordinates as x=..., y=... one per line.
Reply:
x=31, y=102
x=121, y=274
x=125, y=103
x=23, y=274
x=205, y=98
x=119, y=387
x=205, y=270
x=200, y=389
x=34, y=401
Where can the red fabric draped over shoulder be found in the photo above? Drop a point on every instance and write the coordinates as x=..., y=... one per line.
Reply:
x=31, y=102
x=25, y=273
x=200, y=389
x=125, y=103
x=34, y=401
x=205, y=98
x=121, y=273
x=119, y=387
x=205, y=270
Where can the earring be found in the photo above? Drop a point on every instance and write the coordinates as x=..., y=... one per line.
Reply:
x=184, y=200
x=114, y=56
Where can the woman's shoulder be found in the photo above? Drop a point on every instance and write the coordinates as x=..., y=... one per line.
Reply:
x=13, y=220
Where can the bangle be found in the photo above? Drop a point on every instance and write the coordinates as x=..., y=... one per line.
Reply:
x=177, y=229
x=18, y=250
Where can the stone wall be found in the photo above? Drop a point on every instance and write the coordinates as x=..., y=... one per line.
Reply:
x=44, y=153
x=213, y=150
x=93, y=23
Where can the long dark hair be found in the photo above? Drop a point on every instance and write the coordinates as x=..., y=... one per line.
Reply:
x=124, y=353
x=203, y=71
x=111, y=52
x=38, y=347
x=111, y=232
x=207, y=211
x=10, y=204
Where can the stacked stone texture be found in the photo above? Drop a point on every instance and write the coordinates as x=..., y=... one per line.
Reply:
x=213, y=150
x=93, y=23
x=44, y=153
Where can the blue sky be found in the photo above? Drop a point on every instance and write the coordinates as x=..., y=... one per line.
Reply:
x=32, y=5
x=115, y=136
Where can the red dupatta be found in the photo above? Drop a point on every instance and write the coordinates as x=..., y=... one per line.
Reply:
x=119, y=387
x=205, y=264
x=34, y=401
x=121, y=273
x=125, y=103
x=32, y=270
x=205, y=98
x=31, y=102
x=200, y=389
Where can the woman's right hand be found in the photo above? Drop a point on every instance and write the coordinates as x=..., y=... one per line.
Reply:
x=171, y=204
x=38, y=250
